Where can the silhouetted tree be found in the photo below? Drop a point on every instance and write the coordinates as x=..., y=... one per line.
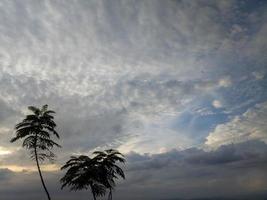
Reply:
x=36, y=130
x=83, y=172
x=110, y=170
x=98, y=173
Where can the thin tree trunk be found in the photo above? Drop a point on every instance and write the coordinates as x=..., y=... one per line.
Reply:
x=94, y=196
x=110, y=194
x=40, y=173
x=93, y=192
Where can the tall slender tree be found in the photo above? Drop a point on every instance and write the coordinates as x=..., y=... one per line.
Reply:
x=36, y=130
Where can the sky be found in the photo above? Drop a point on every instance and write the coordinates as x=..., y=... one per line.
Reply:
x=178, y=86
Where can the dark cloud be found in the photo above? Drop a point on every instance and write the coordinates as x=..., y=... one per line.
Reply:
x=254, y=151
x=202, y=173
x=240, y=169
x=226, y=154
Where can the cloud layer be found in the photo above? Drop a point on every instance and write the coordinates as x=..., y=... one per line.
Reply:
x=236, y=171
x=150, y=77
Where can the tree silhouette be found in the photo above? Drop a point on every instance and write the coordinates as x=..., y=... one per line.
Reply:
x=83, y=173
x=36, y=130
x=110, y=171
x=98, y=173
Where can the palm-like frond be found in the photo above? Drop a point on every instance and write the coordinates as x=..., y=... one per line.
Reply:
x=34, y=109
x=82, y=173
x=110, y=171
x=36, y=130
x=98, y=173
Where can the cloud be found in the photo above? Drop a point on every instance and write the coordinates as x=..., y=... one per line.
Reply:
x=4, y=151
x=217, y=104
x=258, y=75
x=175, y=172
x=200, y=172
x=250, y=125
x=104, y=59
x=144, y=76
x=225, y=82
x=5, y=114
x=236, y=154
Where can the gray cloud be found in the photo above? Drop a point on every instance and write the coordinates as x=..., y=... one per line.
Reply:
x=202, y=173
x=238, y=168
